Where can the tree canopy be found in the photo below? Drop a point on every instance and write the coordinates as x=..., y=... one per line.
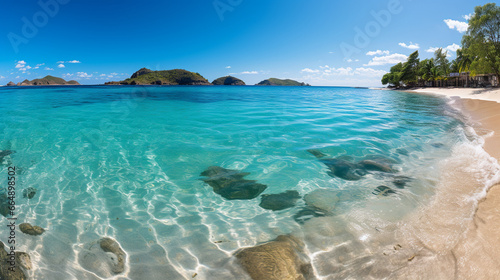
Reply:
x=480, y=54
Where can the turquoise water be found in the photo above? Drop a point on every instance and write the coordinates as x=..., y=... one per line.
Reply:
x=125, y=162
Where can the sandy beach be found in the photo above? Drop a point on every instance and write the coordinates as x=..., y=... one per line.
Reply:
x=476, y=255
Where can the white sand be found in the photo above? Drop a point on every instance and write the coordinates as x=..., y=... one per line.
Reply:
x=488, y=94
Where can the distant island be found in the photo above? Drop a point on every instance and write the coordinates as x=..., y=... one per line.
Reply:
x=172, y=77
x=228, y=81
x=46, y=81
x=280, y=82
x=165, y=77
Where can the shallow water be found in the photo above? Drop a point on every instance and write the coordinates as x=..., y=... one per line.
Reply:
x=125, y=162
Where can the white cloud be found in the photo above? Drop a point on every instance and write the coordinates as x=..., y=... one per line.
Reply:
x=228, y=67
x=467, y=17
x=60, y=62
x=388, y=59
x=61, y=66
x=344, y=76
x=83, y=75
x=377, y=52
x=351, y=60
x=21, y=65
x=330, y=52
x=49, y=69
x=73, y=61
x=249, y=72
x=451, y=48
x=102, y=75
x=432, y=49
x=460, y=26
x=308, y=70
x=2, y=77
x=114, y=74
x=411, y=46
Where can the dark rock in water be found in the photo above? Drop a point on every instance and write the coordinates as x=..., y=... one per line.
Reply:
x=110, y=245
x=4, y=205
x=230, y=183
x=343, y=169
x=437, y=145
x=402, y=151
x=279, y=201
x=344, y=166
x=401, y=181
x=383, y=190
x=5, y=153
x=103, y=257
x=373, y=165
x=282, y=258
x=22, y=261
x=322, y=199
x=381, y=159
x=308, y=213
x=31, y=230
x=316, y=153
x=29, y=193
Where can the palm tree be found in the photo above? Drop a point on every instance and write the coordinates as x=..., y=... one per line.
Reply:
x=463, y=61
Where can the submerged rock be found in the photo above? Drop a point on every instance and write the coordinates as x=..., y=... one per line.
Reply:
x=104, y=257
x=316, y=153
x=110, y=245
x=401, y=181
x=322, y=199
x=31, y=230
x=279, y=201
x=230, y=184
x=308, y=213
x=282, y=258
x=4, y=205
x=5, y=153
x=383, y=190
x=437, y=145
x=22, y=259
x=29, y=193
x=373, y=165
x=402, y=151
x=343, y=169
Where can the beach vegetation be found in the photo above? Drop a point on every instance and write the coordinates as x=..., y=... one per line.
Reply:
x=482, y=40
x=479, y=54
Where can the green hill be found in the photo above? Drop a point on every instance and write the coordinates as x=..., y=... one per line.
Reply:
x=280, y=82
x=47, y=81
x=228, y=81
x=165, y=77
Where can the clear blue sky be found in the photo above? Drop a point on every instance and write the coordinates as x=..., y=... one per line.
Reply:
x=110, y=39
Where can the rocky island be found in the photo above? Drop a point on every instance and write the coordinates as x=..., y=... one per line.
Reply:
x=280, y=82
x=164, y=77
x=46, y=81
x=228, y=81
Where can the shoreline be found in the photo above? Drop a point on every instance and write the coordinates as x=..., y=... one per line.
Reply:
x=477, y=252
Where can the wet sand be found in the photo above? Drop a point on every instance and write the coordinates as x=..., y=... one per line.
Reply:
x=471, y=247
